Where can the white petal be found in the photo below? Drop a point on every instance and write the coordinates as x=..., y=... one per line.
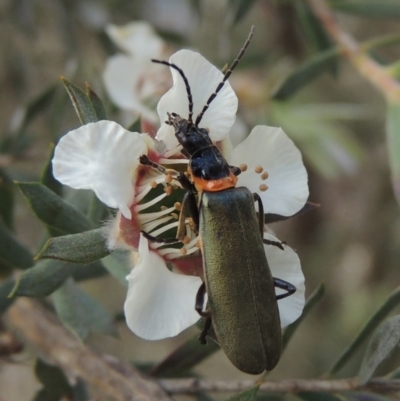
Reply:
x=101, y=156
x=203, y=79
x=136, y=38
x=285, y=265
x=271, y=148
x=124, y=78
x=159, y=303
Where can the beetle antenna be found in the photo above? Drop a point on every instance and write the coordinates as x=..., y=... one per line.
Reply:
x=226, y=76
x=187, y=86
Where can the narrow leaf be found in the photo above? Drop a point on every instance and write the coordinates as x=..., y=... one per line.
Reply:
x=12, y=253
x=5, y=288
x=42, y=279
x=393, y=143
x=318, y=396
x=81, y=313
x=54, y=211
x=44, y=395
x=364, y=396
x=315, y=31
x=96, y=103
x=53, y=379
x=382, y=344
x=87, y=272
x=136, y=125
x=81, y=102
x=392, y=301
x=83, y=248
x=184, y=358
x=36, y=106
x=6, y=199
x=247, y=395
x=118, y=266
x=98, y=212
x=15, y=140
x=239, y=8
x=369, y=8
x=47, y=177
x=306, y=73
x=314, y=298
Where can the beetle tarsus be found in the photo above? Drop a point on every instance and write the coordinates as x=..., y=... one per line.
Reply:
x=235, y=170
x=278, y=244
x=284, y=285
x=160, y=240
x=203, y=334
x=200, y=296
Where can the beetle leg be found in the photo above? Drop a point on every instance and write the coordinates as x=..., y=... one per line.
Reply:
x=274, y=243
x=188, y=202
x=200, y=301
x=160, y=240
x=235, y=170
x=261, y=222
x=183, y=180
x=284, y=285
x=203, y=334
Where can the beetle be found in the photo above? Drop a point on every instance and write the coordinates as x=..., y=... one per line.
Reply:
x=242, y=304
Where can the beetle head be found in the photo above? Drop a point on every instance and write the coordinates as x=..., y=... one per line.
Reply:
x=191, y=137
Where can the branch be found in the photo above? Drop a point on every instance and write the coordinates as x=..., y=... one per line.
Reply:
x=356, y=54
x=190, y=386
x=39, y=328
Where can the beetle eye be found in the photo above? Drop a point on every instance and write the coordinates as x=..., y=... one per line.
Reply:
x=174, y=115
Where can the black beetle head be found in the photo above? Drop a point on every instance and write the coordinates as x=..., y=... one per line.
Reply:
x=191, y=138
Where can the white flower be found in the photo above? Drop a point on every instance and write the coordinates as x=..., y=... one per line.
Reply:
x=132, y=81
x=103, y=156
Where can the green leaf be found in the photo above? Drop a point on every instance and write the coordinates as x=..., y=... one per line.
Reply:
x=87, y=272
x=14, y=141
x=364, y=396
x=314, y=298
x=319, y=396
x=37, y=105
x=393, y=143
x=184, y=358
x=392, y=301
x=247, y=395
x=81, y=313
x=12, y=253
x=81, y=102
x=54, y=211
x=136, y=126
x=5, y=288
x=47, y=177
x=98, y=212
x=306, y=73
x=83, y=248
x=118, y=266
x=96, y=103
x=239, y=8
x=6, y=199
x=44, y=395
x=42, y=279
x=384, y=341
x=53, y=379
x=368, y=8
x=314, y=30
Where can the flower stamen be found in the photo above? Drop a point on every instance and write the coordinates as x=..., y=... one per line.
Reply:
x=143, y=206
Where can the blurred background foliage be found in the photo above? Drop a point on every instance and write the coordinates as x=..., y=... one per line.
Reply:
x=291, y=76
